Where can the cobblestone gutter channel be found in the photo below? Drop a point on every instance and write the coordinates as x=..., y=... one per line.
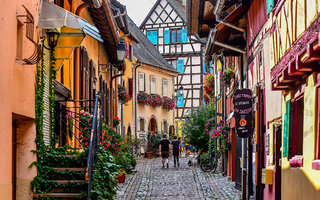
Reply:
x=151, y=181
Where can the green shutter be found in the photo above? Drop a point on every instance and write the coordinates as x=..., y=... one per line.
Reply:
x=286, y=130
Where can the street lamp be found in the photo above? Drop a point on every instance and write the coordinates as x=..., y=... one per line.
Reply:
x=121, y=51
x=52, y=37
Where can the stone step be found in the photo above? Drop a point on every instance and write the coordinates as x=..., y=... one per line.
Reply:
x=80, y=169
x=63, y=196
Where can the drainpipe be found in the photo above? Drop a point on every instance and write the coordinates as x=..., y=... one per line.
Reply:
x=135, y=98
x=111, y=92
x=77, y=74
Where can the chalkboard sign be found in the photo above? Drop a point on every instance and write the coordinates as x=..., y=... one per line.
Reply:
x=242, y=101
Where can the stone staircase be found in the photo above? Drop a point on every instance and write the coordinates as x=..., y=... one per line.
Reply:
x=65, y=179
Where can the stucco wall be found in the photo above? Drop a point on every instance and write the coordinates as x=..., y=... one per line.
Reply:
x=147, y=112
x=303, y=182
x=17, y=94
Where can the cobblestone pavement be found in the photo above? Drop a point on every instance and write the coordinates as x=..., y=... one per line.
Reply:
x=151, y=181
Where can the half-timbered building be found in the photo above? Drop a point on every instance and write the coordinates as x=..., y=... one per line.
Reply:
x=165, y=26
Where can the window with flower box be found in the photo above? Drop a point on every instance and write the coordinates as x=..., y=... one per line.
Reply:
x=142, y=85
x=164, y=87
x=152, y=84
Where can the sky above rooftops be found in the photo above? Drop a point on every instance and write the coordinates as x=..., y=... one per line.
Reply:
x=138, y=9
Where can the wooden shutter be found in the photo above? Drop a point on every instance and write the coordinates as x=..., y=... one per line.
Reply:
x=141, y=82
x=184, y=35
x=167, y=36
x=180, y=66
x=130, y=86
x=173, y=36
x=286, y=130
x=180, y=99
x=165, y=87
x=46, y=103
x=152, y=84
x=179, y=36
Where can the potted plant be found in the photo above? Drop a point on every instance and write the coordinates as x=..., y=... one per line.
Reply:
x=122, y=176
x=116, y=121
x=123, y=94
x=208, y=87
x=227, y=76
x=143, y=98
x=168, y=103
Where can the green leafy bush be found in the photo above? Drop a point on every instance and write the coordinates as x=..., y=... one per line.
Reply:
x=194, y=126
x=104, y=180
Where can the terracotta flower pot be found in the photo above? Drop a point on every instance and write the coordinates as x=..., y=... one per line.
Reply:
x=148, y=154
x=122, y=177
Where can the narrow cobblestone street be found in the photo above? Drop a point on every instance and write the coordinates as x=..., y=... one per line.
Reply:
x=151, y=181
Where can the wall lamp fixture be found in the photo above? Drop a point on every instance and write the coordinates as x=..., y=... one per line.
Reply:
x=52, y=39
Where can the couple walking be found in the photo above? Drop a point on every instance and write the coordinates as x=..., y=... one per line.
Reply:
x=164, y=149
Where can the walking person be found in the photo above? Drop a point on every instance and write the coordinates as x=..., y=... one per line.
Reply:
x=176, y=150
x=180, y=146
x=164, y=150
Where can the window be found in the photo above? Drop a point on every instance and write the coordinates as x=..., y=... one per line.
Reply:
x=153, y=37
x=141, y=124
x=179, y=35
x=164, y=87
x=180, y=99
x=141, y=82
x=270, y=5
x=19, y=44
x=165, y=126
x=152, y=84
x=297, y=126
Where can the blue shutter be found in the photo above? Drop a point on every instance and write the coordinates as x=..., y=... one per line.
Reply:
x=153, y=36
x=270, y=5
x=174, y=36
x=179, y=100
x=184, y=35
x=167, y=36
x=211, y=69
x=179, y=36
x=180, y=66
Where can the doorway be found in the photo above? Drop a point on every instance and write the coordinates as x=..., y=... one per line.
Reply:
x=14, y=159
x=152, y=128
x=278, y=143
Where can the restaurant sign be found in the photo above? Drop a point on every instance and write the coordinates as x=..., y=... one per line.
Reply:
x=242, y=101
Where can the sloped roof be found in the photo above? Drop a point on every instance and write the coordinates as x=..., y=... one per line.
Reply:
x=176, y=5
x=145, y=51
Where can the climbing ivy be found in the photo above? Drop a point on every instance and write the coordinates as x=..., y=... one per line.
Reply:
x=52, y=77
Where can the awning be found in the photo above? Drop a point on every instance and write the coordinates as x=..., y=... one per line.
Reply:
x=71, y=27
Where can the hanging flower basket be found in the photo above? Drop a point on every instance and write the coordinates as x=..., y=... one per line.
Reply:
x=208, y=87
x=227, y=76
x=168, y=103
x=220, y=137
x=155, y=100
x=123, y=94
x=116, y=121
x=143, y=98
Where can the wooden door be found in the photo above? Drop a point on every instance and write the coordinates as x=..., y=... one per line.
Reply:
x=14, y=159
x=278, y=143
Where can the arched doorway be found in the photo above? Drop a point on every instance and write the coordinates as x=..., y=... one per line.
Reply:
x=152, y=128
x=129, y=131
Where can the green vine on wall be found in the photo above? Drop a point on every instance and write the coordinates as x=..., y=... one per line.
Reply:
x=52, y=77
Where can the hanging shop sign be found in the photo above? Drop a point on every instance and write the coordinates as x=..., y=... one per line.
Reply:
x=242, y=101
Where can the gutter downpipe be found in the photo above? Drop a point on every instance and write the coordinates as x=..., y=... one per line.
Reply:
x=111, y=91
x=135, y=98
x=77, y=74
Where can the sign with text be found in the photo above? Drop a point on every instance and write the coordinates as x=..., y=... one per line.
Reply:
x=242, y=101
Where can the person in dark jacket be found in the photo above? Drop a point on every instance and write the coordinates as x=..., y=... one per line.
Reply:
x=176, y=150
x=164, y=150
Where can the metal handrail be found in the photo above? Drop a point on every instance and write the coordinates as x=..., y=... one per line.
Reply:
x=91, y=150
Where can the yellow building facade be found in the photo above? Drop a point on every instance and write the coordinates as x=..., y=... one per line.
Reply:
x=294, y=41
